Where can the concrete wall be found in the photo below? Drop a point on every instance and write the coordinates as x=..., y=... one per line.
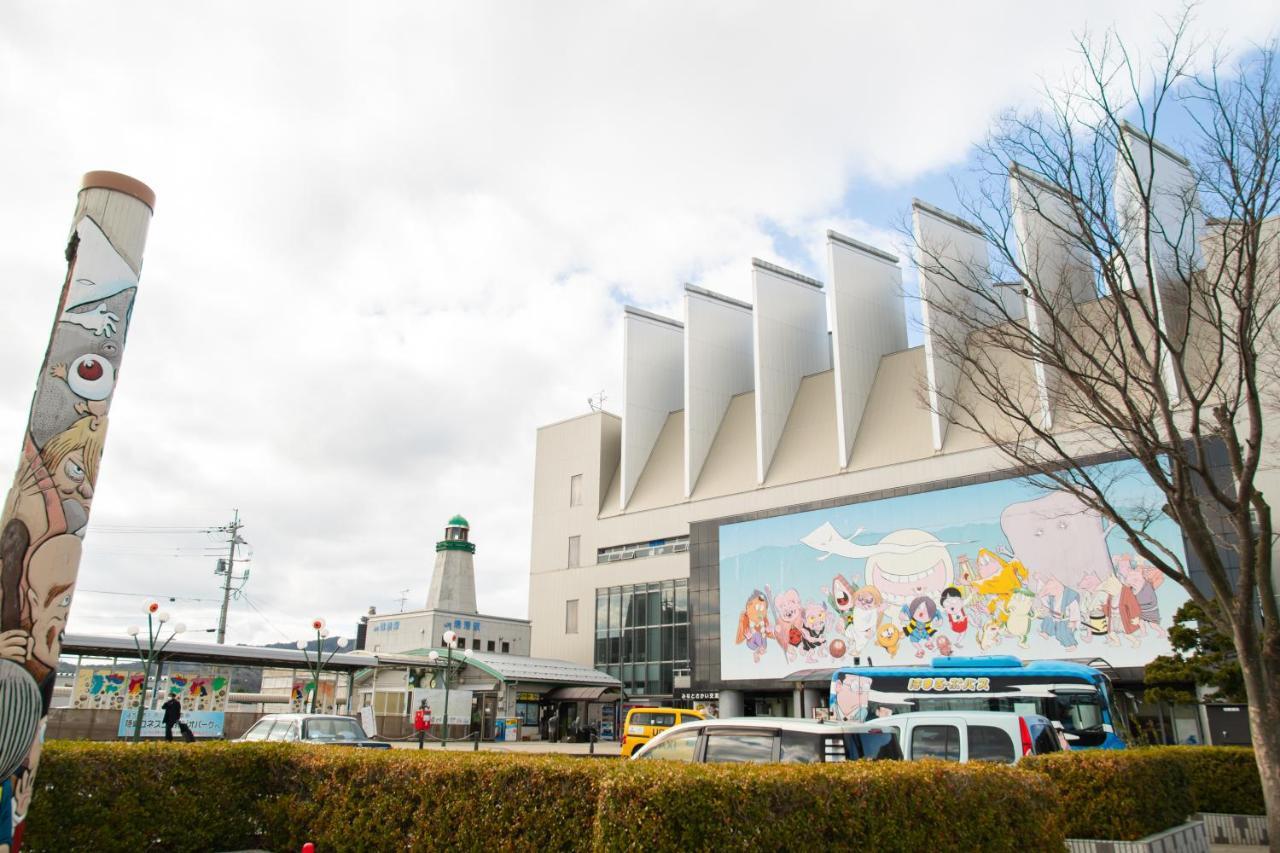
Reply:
x=653, y=382
x=717, y=367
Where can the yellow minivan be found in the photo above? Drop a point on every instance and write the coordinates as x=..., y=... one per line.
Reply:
x=643, y=723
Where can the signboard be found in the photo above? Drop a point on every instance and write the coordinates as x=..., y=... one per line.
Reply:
x=684, y=694
x=993, y=568
x=206, y=724
x=106, y=688
x=459, y=704
x=300, y=697
x=368, y=721
x=200, y=690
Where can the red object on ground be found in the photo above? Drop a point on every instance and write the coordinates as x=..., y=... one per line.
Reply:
x=308, y=848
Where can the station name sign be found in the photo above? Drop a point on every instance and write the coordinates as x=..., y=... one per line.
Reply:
x=952, y=684
x=684, y=694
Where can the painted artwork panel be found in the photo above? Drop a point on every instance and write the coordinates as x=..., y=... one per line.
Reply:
x=995, y=568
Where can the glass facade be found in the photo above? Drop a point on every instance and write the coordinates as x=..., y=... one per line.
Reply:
x=642, y=634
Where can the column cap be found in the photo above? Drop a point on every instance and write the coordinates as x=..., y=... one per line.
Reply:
x=120, y=183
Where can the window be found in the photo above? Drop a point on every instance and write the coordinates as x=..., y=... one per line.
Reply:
x=649, y=719
x=492, y=645
x=637, y=550
x=642, y=634
x=678, y=748
x=726, y=748
x=475, y=644
x=935, y=742
x=506, y=648
x=575, y=544
x=800, y=748
x=575, y=490
x=260, y=730
x=571, y=616
x=880, y=745
x=988, y=743
x=1044, y=739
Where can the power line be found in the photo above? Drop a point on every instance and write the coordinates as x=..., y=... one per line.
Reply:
x=249, y=601
x=146, y=595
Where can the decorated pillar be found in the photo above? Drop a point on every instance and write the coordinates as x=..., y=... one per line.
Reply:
x=44, y=518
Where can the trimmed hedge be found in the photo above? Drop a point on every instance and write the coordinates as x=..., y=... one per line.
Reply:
x=1124, y=795
x=119, y=796
x=924, y=805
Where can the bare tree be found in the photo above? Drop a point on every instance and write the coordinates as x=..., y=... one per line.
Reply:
x=1104, y=294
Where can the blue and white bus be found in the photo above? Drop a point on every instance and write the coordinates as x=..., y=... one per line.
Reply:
x=1073, y=694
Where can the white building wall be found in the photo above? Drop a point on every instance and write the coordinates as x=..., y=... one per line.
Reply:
x=953, y=258
x=789, y=327
x=717, y=366
x=864, y=304
x=653, y=382
x=1050, y=255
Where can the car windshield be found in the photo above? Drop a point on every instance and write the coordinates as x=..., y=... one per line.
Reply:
x=333, y=729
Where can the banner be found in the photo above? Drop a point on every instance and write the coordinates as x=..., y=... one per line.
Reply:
x=459, y=704
x=200, y=690
x=206, y=724
x=107, y=688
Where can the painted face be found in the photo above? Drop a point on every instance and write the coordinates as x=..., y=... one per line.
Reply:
x=788, y=605
x=755, y=609
x=866, y=599
x=953, y=605
x=842, y=594
x=1132, y=576
x=71, y=479
x=49, y=596
x=922, y=613
x=815, y=615
x=927, y=570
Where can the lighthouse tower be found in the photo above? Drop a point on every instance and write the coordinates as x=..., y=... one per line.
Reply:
x=453, y=579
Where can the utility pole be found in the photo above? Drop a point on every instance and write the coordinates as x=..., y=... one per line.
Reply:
x=227, y=568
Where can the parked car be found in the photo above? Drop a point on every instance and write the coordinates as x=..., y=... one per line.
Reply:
x=1000, y=736
x=642, y=724
x=766, y=740
x=311, y=728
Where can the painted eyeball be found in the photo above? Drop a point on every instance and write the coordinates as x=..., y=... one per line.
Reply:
x=92, y=377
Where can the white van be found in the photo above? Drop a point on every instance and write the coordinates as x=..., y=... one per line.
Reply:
x=999, y=736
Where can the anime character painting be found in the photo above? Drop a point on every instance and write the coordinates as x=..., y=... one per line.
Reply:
x=753, y=625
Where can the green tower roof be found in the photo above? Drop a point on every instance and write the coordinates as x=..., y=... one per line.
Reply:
x=458, y=521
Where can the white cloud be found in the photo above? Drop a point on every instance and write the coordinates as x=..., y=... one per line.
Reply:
x=390, y=243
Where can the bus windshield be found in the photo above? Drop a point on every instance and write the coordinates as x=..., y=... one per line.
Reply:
x=1081, y=707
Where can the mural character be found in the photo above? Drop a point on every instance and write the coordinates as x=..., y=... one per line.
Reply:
x=753, y=625
x=1142, y=580
x=1057, y=537
x=1060, y=618
x=840, y=597
x=788, y=621
x=813, y=631
x=908, y=564
x=944, y=646
x=999, y=586
x=919, y=627
x=957, y=617
x=888, y=636
x=867, y=606
x=989, y=635
x=1021, y=616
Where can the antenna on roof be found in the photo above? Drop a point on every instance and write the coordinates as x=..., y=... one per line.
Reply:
x=404, y=596
x=596, y=401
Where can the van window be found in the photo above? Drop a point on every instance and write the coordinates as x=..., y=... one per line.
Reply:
x=988, y=743
x=935, y=742
x=877, y=745
x=686, y=717
x=650, y=719
x=679, y=748
x=1044, y=739
x=727, y=748
x=800, y=748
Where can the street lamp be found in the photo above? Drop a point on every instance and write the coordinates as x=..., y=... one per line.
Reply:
x=450, y=638
x=316, y=667
x=156, y=618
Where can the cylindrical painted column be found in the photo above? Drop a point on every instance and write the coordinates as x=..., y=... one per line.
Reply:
x=45, y=515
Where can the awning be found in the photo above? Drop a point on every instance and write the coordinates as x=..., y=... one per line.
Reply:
x=592, y=693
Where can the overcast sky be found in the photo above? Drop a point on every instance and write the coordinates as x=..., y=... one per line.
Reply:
x=391, y=240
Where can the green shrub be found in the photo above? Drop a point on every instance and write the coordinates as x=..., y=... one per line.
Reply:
x=1223, y=779
x=1118, y=795
x=173, y=797
x=926, y=805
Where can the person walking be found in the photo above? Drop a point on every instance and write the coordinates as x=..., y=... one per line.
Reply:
x=422, y=722
x=172, y=714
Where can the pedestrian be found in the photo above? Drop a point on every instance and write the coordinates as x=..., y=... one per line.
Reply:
x=422, y=722
x=553, y=727
x=172, y=714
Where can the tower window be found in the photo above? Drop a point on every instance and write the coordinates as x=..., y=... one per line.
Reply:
x=575, y=490
x=571, y=616
x=575, y=546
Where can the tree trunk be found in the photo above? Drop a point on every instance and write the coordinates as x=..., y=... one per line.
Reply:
x=1264, y=728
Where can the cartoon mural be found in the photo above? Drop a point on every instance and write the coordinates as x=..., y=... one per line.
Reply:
x=47, y=510
x=1001, y=567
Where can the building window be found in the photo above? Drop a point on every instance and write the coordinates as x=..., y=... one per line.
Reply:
x=575, y=544
x=571, y=616
x=491, y=645
x=642, y=634
x=637, y=550
x=475, y=644
x=575, y=490
x=506, y=648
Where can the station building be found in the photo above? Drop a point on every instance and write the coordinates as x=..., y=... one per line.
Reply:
x=772, y=459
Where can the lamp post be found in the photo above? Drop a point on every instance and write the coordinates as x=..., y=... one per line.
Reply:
x=316, y=667
x=450, y=638
x=156, y=618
